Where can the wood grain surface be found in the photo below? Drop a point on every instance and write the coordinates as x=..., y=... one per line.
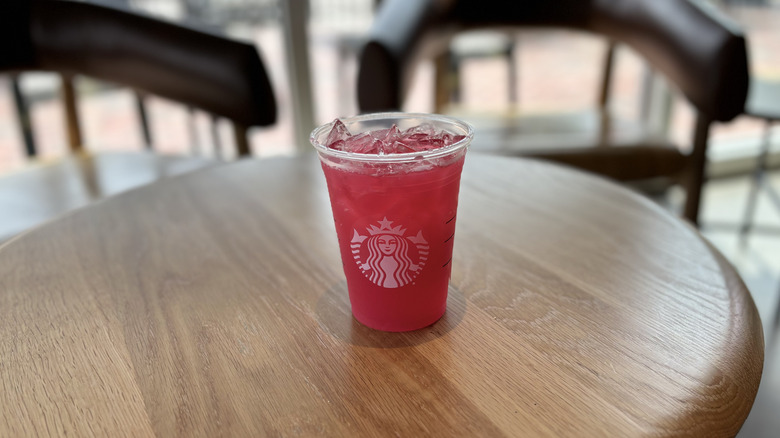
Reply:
x=44, y=190
x=214, y=304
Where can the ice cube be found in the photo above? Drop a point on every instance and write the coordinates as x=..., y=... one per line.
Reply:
x=338, y=145
x=450, y=139
x=410, y=139
x=401, y=148
x=387, y=136
x=423, y=137
x=426, y=143
x=422, y=128
x=362, y=144
x=337, y=133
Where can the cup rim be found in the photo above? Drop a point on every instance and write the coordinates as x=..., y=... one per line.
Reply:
x=394, y=158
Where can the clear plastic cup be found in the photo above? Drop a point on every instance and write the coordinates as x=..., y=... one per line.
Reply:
x=395, y=220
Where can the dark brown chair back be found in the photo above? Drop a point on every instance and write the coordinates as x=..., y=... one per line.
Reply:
x=218, y=75
x=698, y=50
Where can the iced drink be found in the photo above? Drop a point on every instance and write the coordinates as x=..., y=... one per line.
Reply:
x=393, y=180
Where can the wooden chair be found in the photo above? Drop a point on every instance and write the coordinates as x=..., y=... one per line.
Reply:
x=224, y=77
x=700, y=53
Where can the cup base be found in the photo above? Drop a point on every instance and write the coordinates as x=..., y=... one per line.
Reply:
x=399, y=326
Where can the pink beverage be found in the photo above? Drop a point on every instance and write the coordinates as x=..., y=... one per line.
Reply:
x=393, y=180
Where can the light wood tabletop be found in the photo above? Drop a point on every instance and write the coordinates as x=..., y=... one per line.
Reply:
x=214, y=304
x=46, y=189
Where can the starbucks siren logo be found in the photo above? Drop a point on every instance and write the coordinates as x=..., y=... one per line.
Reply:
x=389, y=263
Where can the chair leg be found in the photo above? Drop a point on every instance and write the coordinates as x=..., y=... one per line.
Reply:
x=755, y=185
x=454, y=86
x=776, y=324
x=603, y=104
x=193, y=128
x=23, y=114
x=75, y=140
x=693, y=180
x=512, y=72
x=606, y=78
x=342, y=56
x=143, y=117
x=443, y=81
x=773, y=195
x=242, y=141
x=89, y=176
x=215, y=137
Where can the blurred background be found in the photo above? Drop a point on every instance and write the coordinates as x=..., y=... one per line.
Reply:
x=549, y=71
x=552, y=68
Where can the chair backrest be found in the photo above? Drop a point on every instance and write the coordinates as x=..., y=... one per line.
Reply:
x=695, y=47
x=222, y=76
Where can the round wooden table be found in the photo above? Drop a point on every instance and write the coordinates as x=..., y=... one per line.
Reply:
x=214, y=304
